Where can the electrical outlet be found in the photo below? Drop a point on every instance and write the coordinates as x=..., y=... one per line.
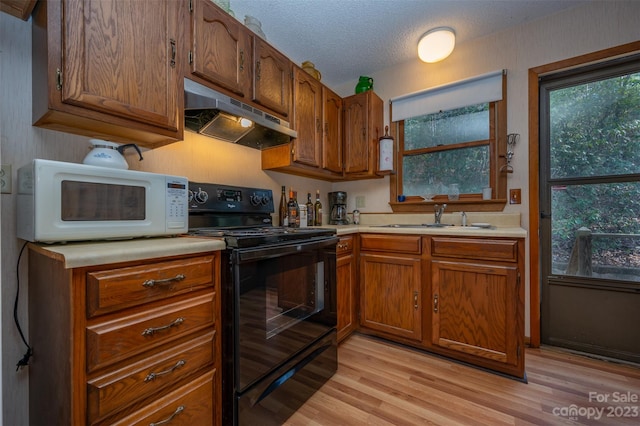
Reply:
x=5, y=179
x=360, y=202
x=515, y=196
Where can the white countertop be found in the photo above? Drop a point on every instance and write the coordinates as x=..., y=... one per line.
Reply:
x=75, y=255
x=513, y=232
x=502, y=225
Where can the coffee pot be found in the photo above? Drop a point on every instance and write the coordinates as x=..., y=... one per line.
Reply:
x=338, y=208
x=109, y=154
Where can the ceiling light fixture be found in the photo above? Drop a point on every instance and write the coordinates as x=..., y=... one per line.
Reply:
x=436, y=44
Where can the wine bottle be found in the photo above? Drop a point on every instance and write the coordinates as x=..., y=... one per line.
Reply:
x=310, y=211
x=317, y=214
x=283, y=219
x=293, y=209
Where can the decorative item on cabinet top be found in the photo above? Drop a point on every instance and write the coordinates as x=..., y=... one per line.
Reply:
x=364, y=83
x=254, y=25
x=310, y=69
x=225, y=5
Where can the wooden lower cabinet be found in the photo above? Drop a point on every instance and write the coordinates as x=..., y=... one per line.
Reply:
x=346, y=283
x=391, y=285
x=477, y=301
x=461, y=297
x=127, y=343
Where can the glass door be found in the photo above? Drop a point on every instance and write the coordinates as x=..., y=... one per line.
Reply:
x=590, y=209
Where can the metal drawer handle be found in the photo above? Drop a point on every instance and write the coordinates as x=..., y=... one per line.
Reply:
x=179, y=410
x=152, y=376
x=172, y=62
x=415, y=300
x=435, y=303
x=166, y=281
x=151, y=330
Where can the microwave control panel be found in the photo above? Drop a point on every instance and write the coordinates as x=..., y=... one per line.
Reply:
x=177, y=202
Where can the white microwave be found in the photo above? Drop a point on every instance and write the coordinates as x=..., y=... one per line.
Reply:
x=60, y=202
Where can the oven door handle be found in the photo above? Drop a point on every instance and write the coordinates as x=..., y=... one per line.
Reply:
x=273, y=251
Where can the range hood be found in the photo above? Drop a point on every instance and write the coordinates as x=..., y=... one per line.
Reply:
x=214, y=114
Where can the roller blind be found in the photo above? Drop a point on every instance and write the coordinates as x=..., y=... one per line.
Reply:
x=472, y=91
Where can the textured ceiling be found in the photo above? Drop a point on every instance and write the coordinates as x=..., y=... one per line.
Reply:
x=349, y=38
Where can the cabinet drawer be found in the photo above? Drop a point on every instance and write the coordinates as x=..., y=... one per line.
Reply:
x=113, y=340
x=113, y=289
x=116, y=390
x=469, y=248
x=345, y=245
x=393, y=243
x=190, y=404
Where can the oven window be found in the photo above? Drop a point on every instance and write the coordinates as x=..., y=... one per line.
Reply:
x=88, y=201
x=282, y=308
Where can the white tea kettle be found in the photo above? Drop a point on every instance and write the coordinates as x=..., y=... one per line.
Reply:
x=108, y=154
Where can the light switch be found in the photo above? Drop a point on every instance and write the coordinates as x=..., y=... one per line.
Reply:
x=515, y=196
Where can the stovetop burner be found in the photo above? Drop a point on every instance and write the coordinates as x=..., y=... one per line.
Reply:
x=242, y=216
x=253, y=237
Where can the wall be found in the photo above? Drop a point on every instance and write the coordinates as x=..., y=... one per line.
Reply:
x=198, y=158
x=596, y=26
x=574, y=32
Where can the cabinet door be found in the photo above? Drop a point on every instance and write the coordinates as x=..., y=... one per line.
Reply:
x=332, y=132
x=474, y=309
x=220, y=48
x=362, y=124
x=307, y=147
x=346, y=287
x=120, y=58
x=390, y=294
x=355, y=134
x=272, y=78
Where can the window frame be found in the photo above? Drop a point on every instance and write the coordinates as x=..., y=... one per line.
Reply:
x=468, y=202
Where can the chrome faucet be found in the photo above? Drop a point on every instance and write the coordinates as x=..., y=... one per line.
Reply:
x=438, y=210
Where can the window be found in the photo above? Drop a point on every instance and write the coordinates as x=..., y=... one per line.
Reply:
x=446, y=148
x=462, y=147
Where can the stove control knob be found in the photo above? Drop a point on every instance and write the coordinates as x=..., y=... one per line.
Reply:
x=190, y=196
x=201, y=196
x=265, y=200
x=255, y=199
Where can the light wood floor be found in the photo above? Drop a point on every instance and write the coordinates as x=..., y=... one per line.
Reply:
x=379, y=383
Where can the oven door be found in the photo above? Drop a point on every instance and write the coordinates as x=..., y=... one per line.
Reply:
x=284, y=300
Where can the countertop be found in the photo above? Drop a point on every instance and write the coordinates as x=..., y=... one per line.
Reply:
x=80, y=254
x=513, y=232
x=75, y=255
x=502, y=225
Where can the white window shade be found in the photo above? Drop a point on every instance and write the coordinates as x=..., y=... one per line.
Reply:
x=472, y=91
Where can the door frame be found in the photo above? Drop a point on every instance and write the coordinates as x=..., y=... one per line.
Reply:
x=534, y=168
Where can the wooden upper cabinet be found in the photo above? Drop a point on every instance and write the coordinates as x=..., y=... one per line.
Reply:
x=110, y=69
x=220, y=50
x=332, y=131
x=362, y=128
x=18, y=8
x=272, y=78
x=307, y=119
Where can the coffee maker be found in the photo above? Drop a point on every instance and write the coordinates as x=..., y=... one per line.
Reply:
x=338, y=208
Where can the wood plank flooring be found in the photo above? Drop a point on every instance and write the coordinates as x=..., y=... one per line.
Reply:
x=380, y=383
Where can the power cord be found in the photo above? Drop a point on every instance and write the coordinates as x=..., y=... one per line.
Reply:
x=24, y=361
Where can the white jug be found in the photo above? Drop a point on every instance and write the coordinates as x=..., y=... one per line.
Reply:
x=108, y=154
